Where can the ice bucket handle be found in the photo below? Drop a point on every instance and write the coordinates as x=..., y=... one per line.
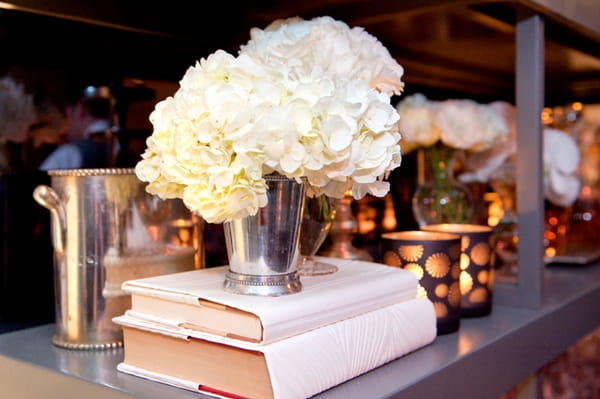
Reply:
x=48, y=198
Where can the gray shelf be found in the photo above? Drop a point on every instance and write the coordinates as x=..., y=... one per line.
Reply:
x=485, y=358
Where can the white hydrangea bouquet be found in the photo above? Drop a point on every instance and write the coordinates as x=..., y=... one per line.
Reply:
x=457, y=123
x=308, y=99
x=443, y=129
x=497, y=165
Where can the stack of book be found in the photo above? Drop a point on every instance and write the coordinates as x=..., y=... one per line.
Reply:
x=183, y=329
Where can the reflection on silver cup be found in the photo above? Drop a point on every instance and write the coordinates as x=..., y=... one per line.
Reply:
x=188, y=233
x=180, y=232
x=139, y=264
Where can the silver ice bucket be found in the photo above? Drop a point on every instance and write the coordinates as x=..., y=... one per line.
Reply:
x=105, y=230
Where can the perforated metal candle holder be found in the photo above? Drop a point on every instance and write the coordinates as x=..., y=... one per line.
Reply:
x=434, y=259
x=477, y=273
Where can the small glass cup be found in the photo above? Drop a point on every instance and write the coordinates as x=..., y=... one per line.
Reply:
x=317, y=220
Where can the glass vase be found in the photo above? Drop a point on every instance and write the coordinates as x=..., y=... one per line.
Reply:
x=505, y=232
x=439, y=197
x=317, y=220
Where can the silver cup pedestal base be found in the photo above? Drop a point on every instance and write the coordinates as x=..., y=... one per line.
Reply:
x=263, y=285
x=85, y=346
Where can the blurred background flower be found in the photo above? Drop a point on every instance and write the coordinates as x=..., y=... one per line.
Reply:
x=560, y=161
x=461, y=124
x=443, y=132
x=17, y=113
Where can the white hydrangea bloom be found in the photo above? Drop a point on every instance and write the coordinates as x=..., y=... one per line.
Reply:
x=561, y=159
x=235, y=119
x=342, y=52
x=467, y=125
x=201, y=145
x=482, y=166
x=417, y=122
x=460, y=124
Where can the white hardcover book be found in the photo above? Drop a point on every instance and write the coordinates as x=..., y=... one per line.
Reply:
x=196, y=300
x=296, y=367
